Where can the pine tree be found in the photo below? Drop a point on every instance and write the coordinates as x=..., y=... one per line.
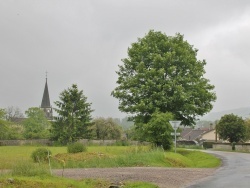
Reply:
x=74, y=116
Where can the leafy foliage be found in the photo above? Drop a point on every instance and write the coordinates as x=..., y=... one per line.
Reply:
x=36, y=125
x=2, y=113
x=158, y=130
x=162, y=73
x=231, y=127
x=76, y=147
x=4, y=129
x=207, y=145
x=125, y=123
x=40, y=155
x=105, y=128
x=9, y=130
x=74, y=116
x=247, y=124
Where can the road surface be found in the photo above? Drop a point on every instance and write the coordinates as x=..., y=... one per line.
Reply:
x=234, y=173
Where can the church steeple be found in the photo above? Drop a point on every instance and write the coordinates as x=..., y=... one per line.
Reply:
x=45, y=105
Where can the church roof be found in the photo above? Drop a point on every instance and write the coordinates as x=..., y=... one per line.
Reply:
x=46, y=101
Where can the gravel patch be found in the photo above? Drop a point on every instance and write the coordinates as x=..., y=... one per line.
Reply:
x=163, y=177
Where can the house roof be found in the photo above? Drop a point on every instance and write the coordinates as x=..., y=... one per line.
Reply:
x=191, y=134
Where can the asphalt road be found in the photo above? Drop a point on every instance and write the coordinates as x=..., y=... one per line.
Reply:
x=234, y=173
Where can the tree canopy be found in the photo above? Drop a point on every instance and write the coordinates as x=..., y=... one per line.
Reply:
x=8, y=130
x=3, y=125
x=247, y=124
x=74, y=116
x=106, y=129
x=2, y=113
x=162, y=73
x=232, y=128
x=36, y=125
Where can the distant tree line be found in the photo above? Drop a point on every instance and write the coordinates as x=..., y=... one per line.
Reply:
x=73, y=122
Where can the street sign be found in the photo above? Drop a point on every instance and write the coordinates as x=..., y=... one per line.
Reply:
x=175, y=124
x=177, y=134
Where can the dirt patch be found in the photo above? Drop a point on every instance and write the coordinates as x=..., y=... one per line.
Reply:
x=163, y=177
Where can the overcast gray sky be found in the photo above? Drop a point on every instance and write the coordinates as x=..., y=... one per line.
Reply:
x=83, y=41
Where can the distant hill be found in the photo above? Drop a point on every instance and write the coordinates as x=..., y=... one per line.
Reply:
x=213, y=116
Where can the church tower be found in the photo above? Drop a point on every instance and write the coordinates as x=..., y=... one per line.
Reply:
x=45, y=106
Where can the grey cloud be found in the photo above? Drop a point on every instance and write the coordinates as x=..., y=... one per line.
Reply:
x=83, y=42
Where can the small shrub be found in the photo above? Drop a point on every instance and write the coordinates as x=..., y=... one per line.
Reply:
x=76, y=148
x=57, y=143
x=190, y=146
x=40, y=155
x=122, y=143
x=207, y=145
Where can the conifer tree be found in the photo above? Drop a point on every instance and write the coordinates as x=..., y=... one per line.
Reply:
x=74, y=116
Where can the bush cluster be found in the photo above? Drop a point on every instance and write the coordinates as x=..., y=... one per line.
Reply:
x=207, y=145
x=40, y=155
x=76, y=147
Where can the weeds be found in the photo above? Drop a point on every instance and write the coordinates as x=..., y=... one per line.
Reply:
x=25, y=168
x=76, y=148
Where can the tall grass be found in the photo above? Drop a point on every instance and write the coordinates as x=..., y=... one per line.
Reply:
x=149, y=158
x=25, y=168
x=110, y=156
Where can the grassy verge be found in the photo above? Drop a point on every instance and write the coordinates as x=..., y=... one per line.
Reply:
x=110, y=156
x=58, y=182
x=26, y=173
x=32, y=175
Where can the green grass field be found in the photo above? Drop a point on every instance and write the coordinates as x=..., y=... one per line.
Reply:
x=29, y=174
x=110, y=156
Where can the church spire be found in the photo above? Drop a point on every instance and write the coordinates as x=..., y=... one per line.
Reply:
x=46, y=101
x=45, y=105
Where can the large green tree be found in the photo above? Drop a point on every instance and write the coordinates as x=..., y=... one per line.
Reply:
x=36, y=124
x=162, y=73
x=232, y=128
x=74, y=116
